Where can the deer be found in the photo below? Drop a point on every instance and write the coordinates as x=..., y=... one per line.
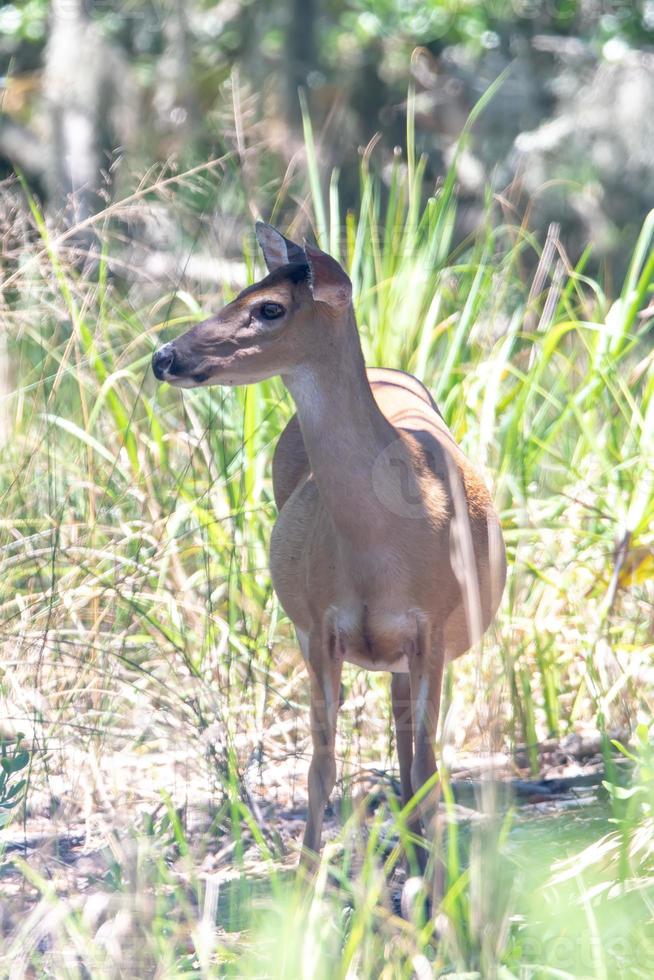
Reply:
x=387, y=552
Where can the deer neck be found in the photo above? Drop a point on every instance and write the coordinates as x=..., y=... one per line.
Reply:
x=344, y=433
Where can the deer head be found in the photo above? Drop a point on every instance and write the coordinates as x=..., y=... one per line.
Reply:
x=271, y=328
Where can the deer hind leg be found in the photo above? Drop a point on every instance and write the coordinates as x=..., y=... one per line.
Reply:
x=325, y=668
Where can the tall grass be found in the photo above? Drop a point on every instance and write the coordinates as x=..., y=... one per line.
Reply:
x=156, y=679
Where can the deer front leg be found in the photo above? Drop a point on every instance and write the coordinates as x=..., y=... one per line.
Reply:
x=325, y=667
x=403, y=718
x=426, y=674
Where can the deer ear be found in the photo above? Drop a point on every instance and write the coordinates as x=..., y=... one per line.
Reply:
x=328, y=281
x=277, y=250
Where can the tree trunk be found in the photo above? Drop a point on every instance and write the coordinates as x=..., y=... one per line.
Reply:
x=301, y=53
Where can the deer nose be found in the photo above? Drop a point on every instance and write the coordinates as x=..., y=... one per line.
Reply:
x=162, y=361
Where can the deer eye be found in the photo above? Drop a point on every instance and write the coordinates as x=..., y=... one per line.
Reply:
x=271, y=311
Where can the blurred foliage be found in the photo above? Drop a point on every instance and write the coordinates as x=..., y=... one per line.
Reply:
x=189, y=81
x=453, y=20
x=223, y=32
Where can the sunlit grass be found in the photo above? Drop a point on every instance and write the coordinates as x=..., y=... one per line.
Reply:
x=157, y=682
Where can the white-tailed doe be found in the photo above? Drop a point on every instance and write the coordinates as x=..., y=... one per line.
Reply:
x=387, y=552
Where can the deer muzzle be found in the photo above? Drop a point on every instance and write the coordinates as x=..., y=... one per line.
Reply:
x=163, y=361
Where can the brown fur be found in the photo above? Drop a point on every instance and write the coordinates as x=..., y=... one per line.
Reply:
x=387, y=551
x=307, y=555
